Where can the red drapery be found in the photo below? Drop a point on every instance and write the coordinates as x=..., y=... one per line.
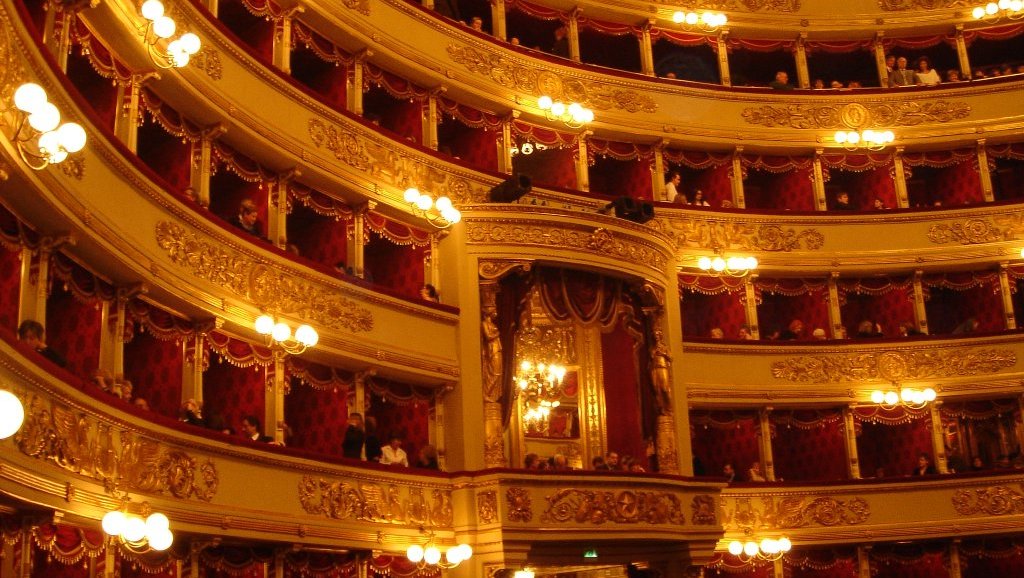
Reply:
x=782, y=301
x=319, y=238
x=10, y=285
x=952, y=298
x=808, y=445
x=882, y=300
x=815, y=563
x=725, y=437
x=909, y=561
x=155, y=369
x=727, y=565
x=318, y=417
x=92, y=69
x=622, y=385
x=890, y=447
x=991, y=557
x=234, y=384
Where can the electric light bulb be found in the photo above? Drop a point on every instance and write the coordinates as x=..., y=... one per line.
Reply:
x=706, y=18
x=906, y=393
x=424, y=202
x=978, y=13
x=545, y=102
x=877, y=396
x=929, y=394
x=412, y=194
x=467, y=551
x=49, y=143
x=452, y=556
x=72, y=136
x=152, y=9
x=558, y=109
x=691, y=18
x=306, y=335
x=525, y=365
x=853, y=138
x=281, y=332
x=190, y=43
x=45, y=118
x=164, y=27
x=264, y=325
x=443, y=203
x=156, y=523
x=784, y=544
x=769, y=546
x=57, y=156
x=523, y=574
x=1004, y=4
x=752, y=263
x=991, y=8
x=179, y=59
x=29, y=97
x=431, y=555
x=527, y=148
x=1016, y=5
x=840, y=136
x=414, y=553
x=134, y=529
x=735, y=547
x=113, y=522
x=162, y=540
x=704, y=263
x=718, y=264
x=869, y=135
x=891, y=398
x=588, y=115
x=12, y=414
x=750, y=548
x=678, y=17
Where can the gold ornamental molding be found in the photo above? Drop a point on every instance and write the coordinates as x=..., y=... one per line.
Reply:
x=994, y=501
x=854, y=115
x=208, y=61
x=540, y=81
x=904, y=5
x=703, y=510
x=597, y=241
x=613, y=506
x=260, y=283
x=794, y=512
x=487, y=506
x=892, y=366
x=122, y=461
x=976, y=231
x=520, y=508
x=371, y=502
x=739, y=5
x=724, y=235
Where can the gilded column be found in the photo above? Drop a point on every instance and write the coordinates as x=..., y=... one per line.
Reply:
x=202, y=163
x=954, y=559
x=879, y=49
x=35, y=284
x=764, y=435
x=278, y=569
x=900, y=179
x=750, y=305
x=492, y=362
x=938, y=438
x=961, y=52
x=498, y=19
x=428, y=4
x=778, y=568
x=835, y=317
x=850, y=435
x=505, y=144
x=192, y=361
x=430, y=118
x=361, y=404
x=646, y=49
x=658, y=172
x=863, y=561
x=1005, y=292
x=113, y=319
x=277, y=215
x=354, y=88
x=214, y=7
x=282, y=56
x=818, y=181
x=126, y=124
x=57, y=31
x=920, y=314
x=574, y=34
x=582, y=162
x=673, y=450
x=737, y=179
x=273, y=407
x=723, y=57
x=432, y=265
x=803, y=77
x=437, y=431
x=357, y=237
x=984, y=173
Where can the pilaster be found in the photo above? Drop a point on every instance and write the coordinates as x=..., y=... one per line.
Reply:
x=835, y=318
x=354, y=87
x=573, y=24
x=863, y=561
x=803, y=76
x=646, y=49
x=920, y=314
x=750, y=306
x=1005, y=293
x=582, y=164
x=983, y=172
x=202, y=163
x=818, y=181
x=57, y=31
x=737, y=179
x=954, y=559
x=431, y=118
x=283, y=39
x=273, y=412
x=850, y=436
x=505, y=145
x=658, y=172
x=498, y=19
x=764, y=436
x=938, y=438
x=357, y=237
x=900, y=178
x=723, y=57
x=277, y=203
x=879, y=50
x=126, y=124
x=961, y=53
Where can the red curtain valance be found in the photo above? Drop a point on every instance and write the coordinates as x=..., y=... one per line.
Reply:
x=917, y=43
x=539, y=12
x=172, y=121
x=719, y=419
x=397, y=233
x=873, y=285
x=544, y=135
x=805, y=419
x=237, y=352
x=85, y=285
x=725, y=563
x=234, y=560
x=995, y=33
x=1006, y=151
x=263, y=9
x=819, y=559
x=776, y=164
x=683, y=38
x=789, y=286
x=395, y=85
x=992, y=548
x=837, y=46
x=581, y=296
x=875, y=414
x=320, y=565
x=856, y=163
x=759, y=45
x=399, y=393
x=68, y=544
x=979, y=409
x=320, y=203
x=99, y=56
x=622, y=151
x=399, y=567
x=319, y=376
x=697, y=159
x=318, y=45
x=470, y=116
x=160, y=323
x=939, y=159
x=609, y=28
x=247, y=169
x=961, y=280
x=710, y=284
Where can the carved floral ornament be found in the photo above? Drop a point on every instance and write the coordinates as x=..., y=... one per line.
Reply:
x=893, y=366
x=857, y=116
x=977, y=231
x=259, y=282
x=794, y=512
x=121, y=460
x=994, y=501
x=722, y=235
x=374, y=502
x=903, y=5
x=739, y=5
x=536, y=82
x=613, y=506
x=487, y=506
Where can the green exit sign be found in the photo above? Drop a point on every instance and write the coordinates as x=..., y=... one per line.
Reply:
x=591, y=553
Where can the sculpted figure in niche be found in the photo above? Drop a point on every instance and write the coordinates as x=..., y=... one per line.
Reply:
x=491, y=355
x=661, y=378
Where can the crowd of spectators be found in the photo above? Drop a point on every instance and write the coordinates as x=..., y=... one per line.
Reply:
x=865, y=329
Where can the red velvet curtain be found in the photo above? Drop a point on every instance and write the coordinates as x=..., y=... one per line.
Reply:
x=791, y=190
x=399, y=268
x=73, y=329
x=776, y=311
x=154, y=367
x=61, y=551
x=893, y=447
x=246, y=20
x=319, y=238
x=318, y=417
x=386, y=566
x=622, y=385
x=554, y=167
x=98, y=92
x=910, y=561
x=231, y=393
x=616, y=178
x=959, y=184
x=725, y=437
x=234, y=562
x=10, y=286
x=808, y=445
x=889, y=309
x=411, y=420
x=821, y=563
x=702, y=313
x=320, y=565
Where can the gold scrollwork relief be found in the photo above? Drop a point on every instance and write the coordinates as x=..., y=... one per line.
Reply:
x=369, y=502
x=994, y=501
x=260, y=283
x=520, y=508
x=208, y=60
x=121, y=460
x=968, y=232
x=828, y=116
x=490, y=270
x=614, y=506
x=712, y=235
x=487, y=506
x=539, y=81
x=795, y=512
x=892, y=366
x=903, y=5
x=739, y=5
x=703, y=510
x=597, y=241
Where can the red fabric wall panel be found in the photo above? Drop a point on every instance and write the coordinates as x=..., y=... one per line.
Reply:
x=894, y=448
x=227, y=191
x=100, y=93
x=552, y=167
x=716, y=445
x=402, y=116
x=411, y=421
x=777, y=311
x=929, y=565
x=399, y=268
x=946, y=308
x=791, y=190
x=476, y=146
x=702, y=312
x=959, y=184
x=232, y=393
x=155, y=369
x=622, y=394
x=166, y=154
x=889, y=310
x=324, y=78
x=863, y=187
x=73, y=330
x=715, y=183
x=319, y=238
x=840, y=569
x=10, y=287
x=318, y=418
x=1003, y=564
x=617, y=178
x=255, y=31
x=814, y=454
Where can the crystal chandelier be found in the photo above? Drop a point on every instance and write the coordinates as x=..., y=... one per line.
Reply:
x=541, y=370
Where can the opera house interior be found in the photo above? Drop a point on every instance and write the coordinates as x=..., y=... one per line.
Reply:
x=511, y=288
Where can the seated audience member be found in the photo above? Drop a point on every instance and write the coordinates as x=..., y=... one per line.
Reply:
x=611, y=459
x=476, y=23
x=141, y=403
x=843, y=202
x=680, y=199
x=371, y=444
x=191, y=413
x=248, y=218
x=531, y=461
x=355, y=437
x=698, y=199
x=793, y=332
x=729, y=472
x=514, y=41
x=979, y=74
x=754, y=473
x=103, y=379
x=559, y=463
x=31, y=333
x=717, y=333
x=393, y=454
x=781, y=81
x=1006, y=70
x=900, y=76
x=773, y=334
x=926, y=75
x=854, y=84
x=924, y=466
x=125, y=389
x=952, y=75
x=909, y=329
x=968, y=326
x=879, y=472
x=744, y=333
x=670, y=76
x=561, y=45
x=672, y=186
x=630, y=464
x=879, y=205
x=819, y=334
x=977, y=465
x=835, y=84
x=818, y=84
x=1019, y=69
x=868, y=330
x=890, y=63
x=428, y=293
x=427, y=459
x=598, y=463
x=251, y=430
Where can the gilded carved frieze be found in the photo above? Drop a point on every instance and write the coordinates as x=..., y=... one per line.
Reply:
x=520, y=507
x=739, y=5
x=904, y=5
x=121, y=460
x=208, y=60
x=994, y=501
x=537, y=81
x=597, y=241
x=854, y=115
x=613, y=506
x=373, y=502
x=487, y=507
x=794, y=512
x=978, y=230
x=260, y=283
x=722, y=235
x=388, y=164
x=893, y=366
x=702, y=510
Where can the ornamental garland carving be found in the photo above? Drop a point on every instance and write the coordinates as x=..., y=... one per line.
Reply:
x=540, y=81
x=738, y=5
x=876, y=115
x=721, y=235
x=994, y=501
x=121, y=460
x=208, y=60
x=371, y=502
x=487, y=506
x=702, y=510
x=968, y=232
x=795, y=512
x=598, y=241
x=260, y=283
x=613, y=506
x=903, y=5
x=892, y=366
x=520, y=508
x=388, y=164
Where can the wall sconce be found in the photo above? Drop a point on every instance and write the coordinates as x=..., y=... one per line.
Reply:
x=154, y=531
x=527, y=148
x=733, y=266
x=12, y=414
x=907, y=397
x=38, y=117
x=279, y=334
x=574, y=115
x=767, y=549
x=1011, y=9
x=871, y=140
x=708, y=21
x=161, y=27
x=444, y=214
x=430, y=555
